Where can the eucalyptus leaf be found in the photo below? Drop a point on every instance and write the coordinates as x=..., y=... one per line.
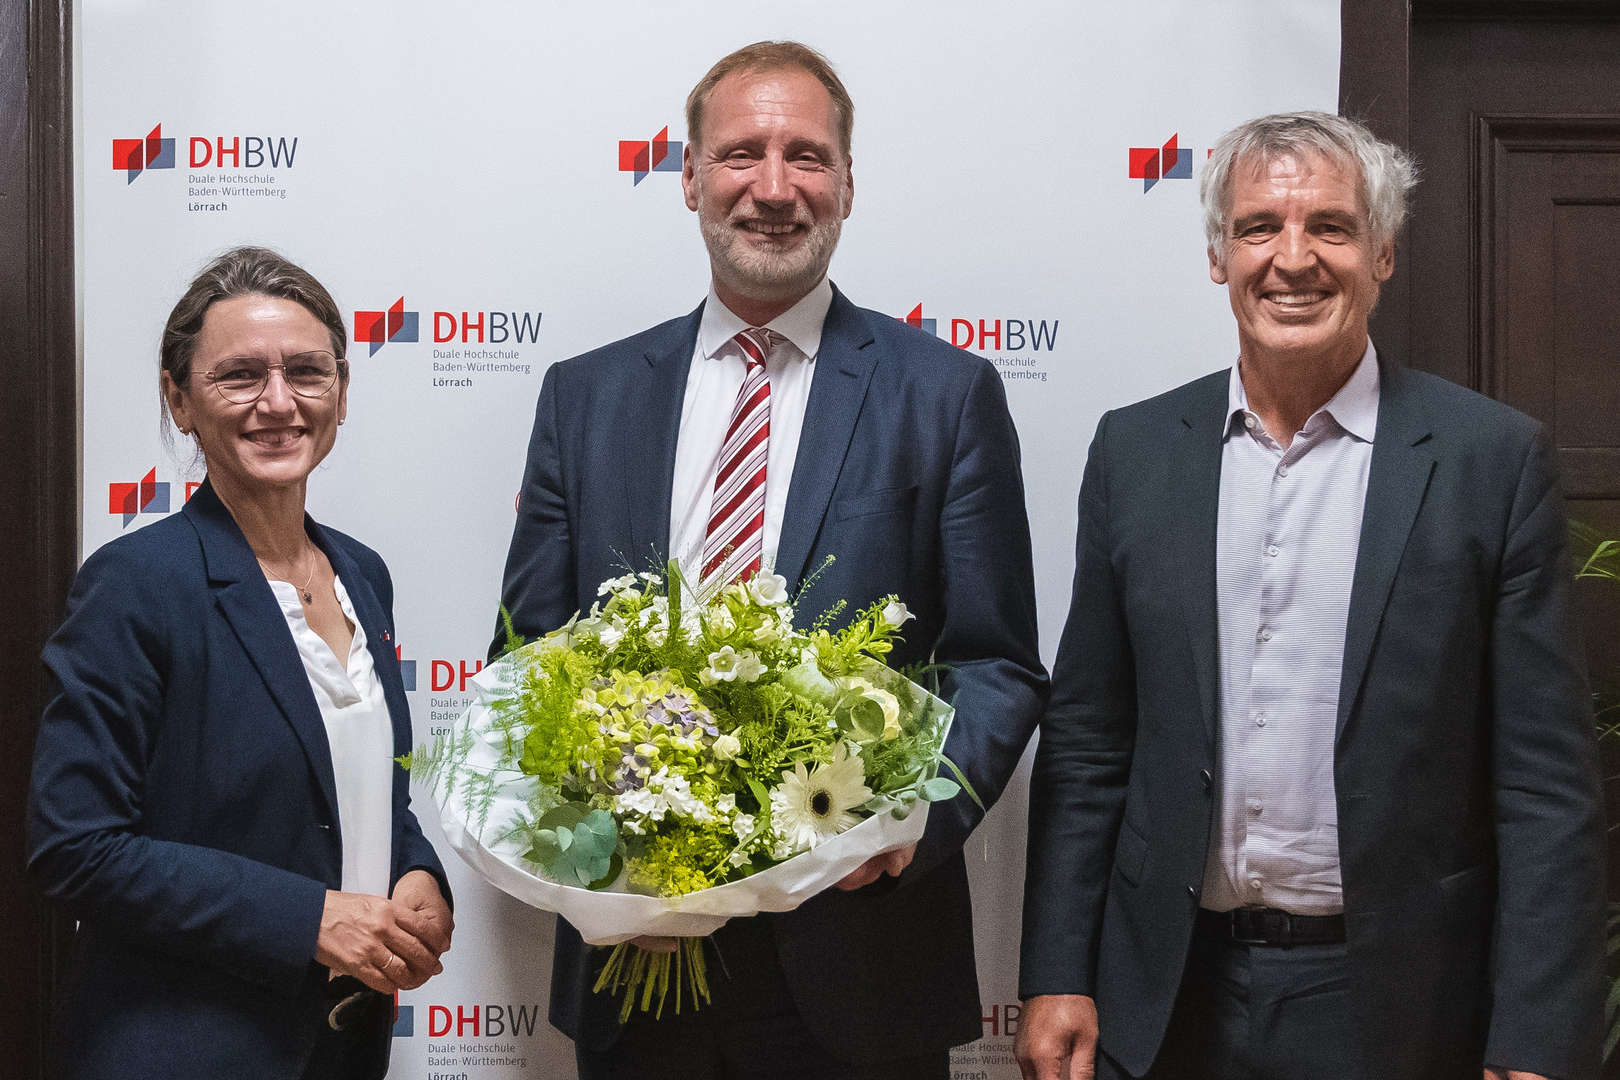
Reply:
x=865, y=716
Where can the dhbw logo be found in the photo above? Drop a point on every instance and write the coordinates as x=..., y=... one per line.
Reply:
x=407, y=668
x=376, y=328
x=1150, y=164
x=135, y=156
x=658, y=154
x=148, y=495
x=915, y=318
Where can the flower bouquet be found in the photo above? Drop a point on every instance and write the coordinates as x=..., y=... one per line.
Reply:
x=669, y=761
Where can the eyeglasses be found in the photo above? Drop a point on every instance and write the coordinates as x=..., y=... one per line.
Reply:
x=242, y=379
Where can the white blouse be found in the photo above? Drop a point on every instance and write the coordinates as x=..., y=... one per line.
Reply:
x=360, y=734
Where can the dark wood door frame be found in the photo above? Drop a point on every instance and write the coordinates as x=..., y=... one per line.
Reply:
x=39, y=482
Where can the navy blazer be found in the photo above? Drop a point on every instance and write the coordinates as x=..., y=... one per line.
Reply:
x=183, y=806
x=1465, y=775
x=908, y=474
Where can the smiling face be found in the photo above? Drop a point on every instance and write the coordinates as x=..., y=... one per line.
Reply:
x=1301, y=265
x=770, y=185
x=276, y=441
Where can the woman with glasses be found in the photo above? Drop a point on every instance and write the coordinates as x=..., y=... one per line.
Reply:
x=214, y=794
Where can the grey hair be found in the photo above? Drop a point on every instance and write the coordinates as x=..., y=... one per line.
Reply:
x=1387, y=172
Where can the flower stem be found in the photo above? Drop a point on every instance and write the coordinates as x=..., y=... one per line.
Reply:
x=639, y=973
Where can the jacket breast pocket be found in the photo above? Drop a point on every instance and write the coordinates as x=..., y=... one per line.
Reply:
x=1437, y=575
x=1130, y=853
x=874, y=503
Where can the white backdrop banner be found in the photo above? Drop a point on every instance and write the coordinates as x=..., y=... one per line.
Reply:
x=488, y=188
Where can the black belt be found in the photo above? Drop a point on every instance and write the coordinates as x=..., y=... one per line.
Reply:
x=1271, y=926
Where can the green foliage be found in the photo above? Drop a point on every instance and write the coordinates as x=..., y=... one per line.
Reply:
x=576, y=845
x=1599, y=557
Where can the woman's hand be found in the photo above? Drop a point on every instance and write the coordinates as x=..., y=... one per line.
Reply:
x=380, y=942
x=419, y=891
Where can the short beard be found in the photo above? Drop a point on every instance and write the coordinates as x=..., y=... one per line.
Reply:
x=767, y=275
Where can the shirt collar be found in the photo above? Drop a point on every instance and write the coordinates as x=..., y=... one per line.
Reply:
x=800, y=324
x=1354, y=407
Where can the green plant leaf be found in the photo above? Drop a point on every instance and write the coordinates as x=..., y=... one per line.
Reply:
x=939, y=789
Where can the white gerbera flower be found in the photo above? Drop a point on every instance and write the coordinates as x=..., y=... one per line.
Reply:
x=809, y=807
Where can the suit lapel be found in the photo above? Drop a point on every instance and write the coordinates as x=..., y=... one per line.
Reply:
x=249, y=605
x=1197, y=489
x=1402, y=463
x=843, y=373
x=653, y=409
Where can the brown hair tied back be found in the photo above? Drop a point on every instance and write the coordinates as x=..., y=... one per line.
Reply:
x=243, y=271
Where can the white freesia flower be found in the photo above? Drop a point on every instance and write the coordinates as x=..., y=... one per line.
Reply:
x=615, y=584
x=768, y=589
x=895, y=614
x=749, y=666
x=611, y=635
x=742, y=825
x=725, y=748
x=720, y=620
x=809, y=807
x=663, y=794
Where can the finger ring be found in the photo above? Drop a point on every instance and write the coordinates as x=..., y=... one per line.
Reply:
x=390, y=960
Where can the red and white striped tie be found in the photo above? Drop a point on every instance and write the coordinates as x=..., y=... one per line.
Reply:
x=735, y=541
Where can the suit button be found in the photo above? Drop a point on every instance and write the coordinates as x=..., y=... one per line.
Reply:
x=1192, y=892
x=1209, y=783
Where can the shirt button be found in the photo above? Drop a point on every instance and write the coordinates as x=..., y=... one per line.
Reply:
x=1260, y=721
x=1282, y=470
x=1264, y=634
x=1254, y=882
x=1255, y=807
x=1271, y=550
x=1249, y=421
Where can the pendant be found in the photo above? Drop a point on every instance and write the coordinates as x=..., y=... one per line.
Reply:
x=308, y=599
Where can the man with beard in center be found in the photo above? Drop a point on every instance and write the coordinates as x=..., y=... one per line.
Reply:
x=773, y=427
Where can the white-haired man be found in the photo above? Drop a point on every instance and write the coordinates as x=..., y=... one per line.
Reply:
x=1316, y=794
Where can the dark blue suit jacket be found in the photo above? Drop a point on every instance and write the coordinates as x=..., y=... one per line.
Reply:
x=1470, y=815
x=908, y=473
x=183, y=806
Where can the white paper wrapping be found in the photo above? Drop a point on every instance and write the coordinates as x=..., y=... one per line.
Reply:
x=612, y=915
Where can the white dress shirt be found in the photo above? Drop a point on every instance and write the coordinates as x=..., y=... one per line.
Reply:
x=1286, y=541
x=712, y=383
x=360, y=733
